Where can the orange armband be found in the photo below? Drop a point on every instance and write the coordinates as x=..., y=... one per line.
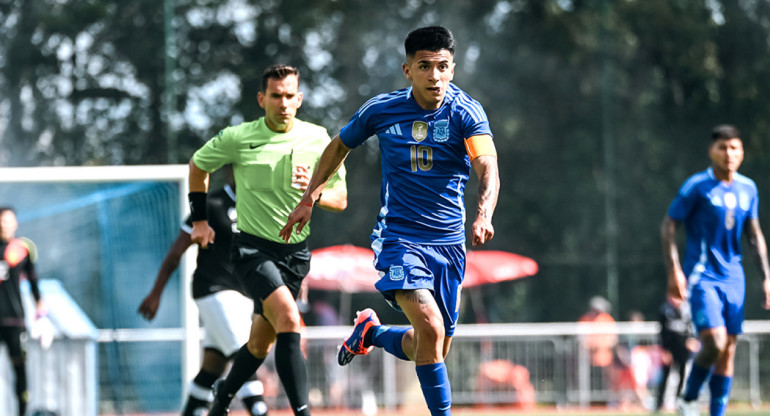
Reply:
x=480, y=146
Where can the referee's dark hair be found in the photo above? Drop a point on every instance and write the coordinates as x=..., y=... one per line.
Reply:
x=277, y=71
x=726, y=132
x=430, y=38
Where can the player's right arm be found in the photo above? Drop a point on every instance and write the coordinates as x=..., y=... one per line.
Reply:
x=149, y=306
x=331, y=159
x=677, y=282
x=202, y=234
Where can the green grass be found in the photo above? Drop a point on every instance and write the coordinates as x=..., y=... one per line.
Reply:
x=737, y=410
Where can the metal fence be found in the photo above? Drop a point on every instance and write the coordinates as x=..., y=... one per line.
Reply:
x=506, y=364
x=520, y=365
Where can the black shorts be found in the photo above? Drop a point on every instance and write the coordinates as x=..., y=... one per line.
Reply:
x=262, y=266
x=11, y=336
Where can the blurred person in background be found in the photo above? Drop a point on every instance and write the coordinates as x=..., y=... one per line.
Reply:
x=224, y=311
x=716, y=207
x=633, y=366
x=600, y=340
x=272, y=160
x=678, y=343
x=600, y=345
x=18, y=263
x=430, y=135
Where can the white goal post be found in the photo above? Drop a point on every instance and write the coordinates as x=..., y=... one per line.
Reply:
x=15, y=185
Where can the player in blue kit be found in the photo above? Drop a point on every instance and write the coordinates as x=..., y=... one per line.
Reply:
x=716, y=206
x=431, y=135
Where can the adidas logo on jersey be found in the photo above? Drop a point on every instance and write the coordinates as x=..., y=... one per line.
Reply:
x=394, y=129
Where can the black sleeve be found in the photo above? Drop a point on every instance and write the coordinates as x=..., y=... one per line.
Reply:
x=29, y=271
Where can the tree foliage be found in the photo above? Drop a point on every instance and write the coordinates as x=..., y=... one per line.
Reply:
x=594, y=104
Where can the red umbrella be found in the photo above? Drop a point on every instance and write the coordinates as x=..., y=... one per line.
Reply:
x=491, y=266
x=343, y=268
x=348, y=268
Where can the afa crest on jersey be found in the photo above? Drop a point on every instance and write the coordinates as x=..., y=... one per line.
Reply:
x=441, y=131
x=419, y=130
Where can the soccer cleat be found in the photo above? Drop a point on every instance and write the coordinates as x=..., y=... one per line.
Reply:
x=354, y=344
x=219, y=407
x=687, y=408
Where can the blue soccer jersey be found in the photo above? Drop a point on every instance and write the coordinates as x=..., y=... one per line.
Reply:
x=425, y=166
x=714, y=214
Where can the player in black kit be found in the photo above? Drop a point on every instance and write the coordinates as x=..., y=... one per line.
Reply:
x=224, y=310
x=677, y=338
x=19, y=255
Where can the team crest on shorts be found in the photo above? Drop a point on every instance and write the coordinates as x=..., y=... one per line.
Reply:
x=419, y=130
x=441, y=131
x=396, y=273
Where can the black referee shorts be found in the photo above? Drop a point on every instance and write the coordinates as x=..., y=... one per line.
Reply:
x=262, y=266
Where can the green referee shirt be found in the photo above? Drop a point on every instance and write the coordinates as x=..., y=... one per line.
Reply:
x=262, y=164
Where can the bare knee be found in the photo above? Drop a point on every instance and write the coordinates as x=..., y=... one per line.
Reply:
x=287, y=321
x=713, y=345
x=281, y=311
x=214, y=362
x=259, y=347
x=429, y=333
x=261, y=337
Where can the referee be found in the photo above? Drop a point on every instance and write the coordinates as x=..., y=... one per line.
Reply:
x=272, y=160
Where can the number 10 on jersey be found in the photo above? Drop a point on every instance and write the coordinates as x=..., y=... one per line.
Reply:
x=422, y=157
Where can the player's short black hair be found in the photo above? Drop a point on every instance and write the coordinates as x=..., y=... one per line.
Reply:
x=725, y=131
x=277, y=71
x=7, y=208
x=430, y=38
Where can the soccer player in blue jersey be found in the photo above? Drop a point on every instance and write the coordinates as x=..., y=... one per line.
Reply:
x=716, y=206
x=430, y=135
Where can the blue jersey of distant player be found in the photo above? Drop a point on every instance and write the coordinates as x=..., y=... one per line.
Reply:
x=425, y=165
x=714, y=214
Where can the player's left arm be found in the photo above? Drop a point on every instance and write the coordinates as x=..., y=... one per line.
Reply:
x=333, y=198
x=331, y=161
x=759, y=248
x=483, y=155
x=31, y=272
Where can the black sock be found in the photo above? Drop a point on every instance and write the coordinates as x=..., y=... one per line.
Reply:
x=291, y=370
x=22, y=395
x=205, y=379
x=199, y=391
x=244, y=366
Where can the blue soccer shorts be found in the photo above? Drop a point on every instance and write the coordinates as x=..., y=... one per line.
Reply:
x=409, y=266
x=718, y=304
